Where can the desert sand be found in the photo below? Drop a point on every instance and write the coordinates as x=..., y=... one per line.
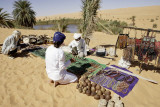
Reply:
x=143, y=15
x=24, y=82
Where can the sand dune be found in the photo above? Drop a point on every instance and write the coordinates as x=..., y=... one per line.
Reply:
x=143, y=15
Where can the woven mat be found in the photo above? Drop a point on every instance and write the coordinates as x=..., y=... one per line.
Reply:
x=80, y=66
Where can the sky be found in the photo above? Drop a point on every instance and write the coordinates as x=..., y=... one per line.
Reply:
x=53, y=7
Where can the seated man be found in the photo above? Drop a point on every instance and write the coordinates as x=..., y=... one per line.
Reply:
x=78, y=46
x=10, y=44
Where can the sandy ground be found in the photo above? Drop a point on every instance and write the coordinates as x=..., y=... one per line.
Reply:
x=24, y=81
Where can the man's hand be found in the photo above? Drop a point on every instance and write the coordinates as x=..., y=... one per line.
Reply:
x=72, y=60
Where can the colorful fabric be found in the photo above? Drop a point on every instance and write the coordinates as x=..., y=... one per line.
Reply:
x=122, y=41
x=81, y=66
x=115, y=80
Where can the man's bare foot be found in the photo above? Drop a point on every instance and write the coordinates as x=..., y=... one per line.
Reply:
x=51, y=81
x=56, y=84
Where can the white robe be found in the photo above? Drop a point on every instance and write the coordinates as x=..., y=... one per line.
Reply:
x=81, y=46
x=56, y=66
x=9, y=44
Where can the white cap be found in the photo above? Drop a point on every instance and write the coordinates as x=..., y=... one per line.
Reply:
x=16, y=34
x=77, y=35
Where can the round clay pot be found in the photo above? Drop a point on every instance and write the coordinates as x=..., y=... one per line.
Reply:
x=102, y=97
x=84, y=77
x=103, y=89
x=84, y=91
x=107, y=97
x=97, y=97
x=94, y=84
x=77, y=86
x=107, y=92
x=93, y=93
x=80, y=90
x=99, y=92
x=98, y=87
x=88, y=92
x=87, y=81
x=93, y=89
x=84, y=84
x=85, y=88
x=89, y=84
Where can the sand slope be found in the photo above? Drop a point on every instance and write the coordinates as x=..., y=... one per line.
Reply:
x=144, y=15
x=24, y=83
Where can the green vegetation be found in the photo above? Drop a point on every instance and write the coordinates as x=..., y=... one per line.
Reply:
x=154, y=25
x=89, y=14
x=5, y=19
x=133, y=20
x=61, y=25
x=152, y=20
x=115, y=26
x=23, y=14
x=67, y=20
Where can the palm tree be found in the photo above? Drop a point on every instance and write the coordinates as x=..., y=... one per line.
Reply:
x=23, y=13
x=5, y=20
x=61, y=25
x=89, y=12
x=133, y=20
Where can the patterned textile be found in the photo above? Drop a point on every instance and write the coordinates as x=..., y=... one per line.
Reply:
x=122, y=41
x=128, y=53
x=112, y=79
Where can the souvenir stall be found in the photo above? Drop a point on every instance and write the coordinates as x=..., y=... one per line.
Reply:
x=145, y=48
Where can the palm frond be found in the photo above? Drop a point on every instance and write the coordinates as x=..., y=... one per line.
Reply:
x=89, y=13
x=5, y=19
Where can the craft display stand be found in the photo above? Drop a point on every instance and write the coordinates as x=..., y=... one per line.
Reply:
x=148, y=33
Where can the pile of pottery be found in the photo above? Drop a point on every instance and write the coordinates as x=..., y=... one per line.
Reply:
x=85, y=86
x=114, y=102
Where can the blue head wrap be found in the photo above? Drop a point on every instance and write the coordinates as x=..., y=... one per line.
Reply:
x=59, y=37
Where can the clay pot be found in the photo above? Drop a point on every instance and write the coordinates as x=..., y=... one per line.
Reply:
x=107, y=92
x=97, y=97
x=84, y=84
x=107, y=97
x=80, y=90
x=84, y=77
x=94, y=84
x=103, y=89
x=84, y=91
x=98, y=87
x=102, y=97
x=93, y=93
x=77, y=86
x=88, y=92
x=87, y=81
x=93, y=89
x=80, y=85
x=89, y=84
x=88, y=87
x=85, y=88
x=99, y=92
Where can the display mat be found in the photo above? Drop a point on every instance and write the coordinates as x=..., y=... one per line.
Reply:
x=80, y=66
x=112, y=79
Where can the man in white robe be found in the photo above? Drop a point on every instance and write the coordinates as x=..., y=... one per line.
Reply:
x=55, y=62
x=10, y=44
x=79, y=44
